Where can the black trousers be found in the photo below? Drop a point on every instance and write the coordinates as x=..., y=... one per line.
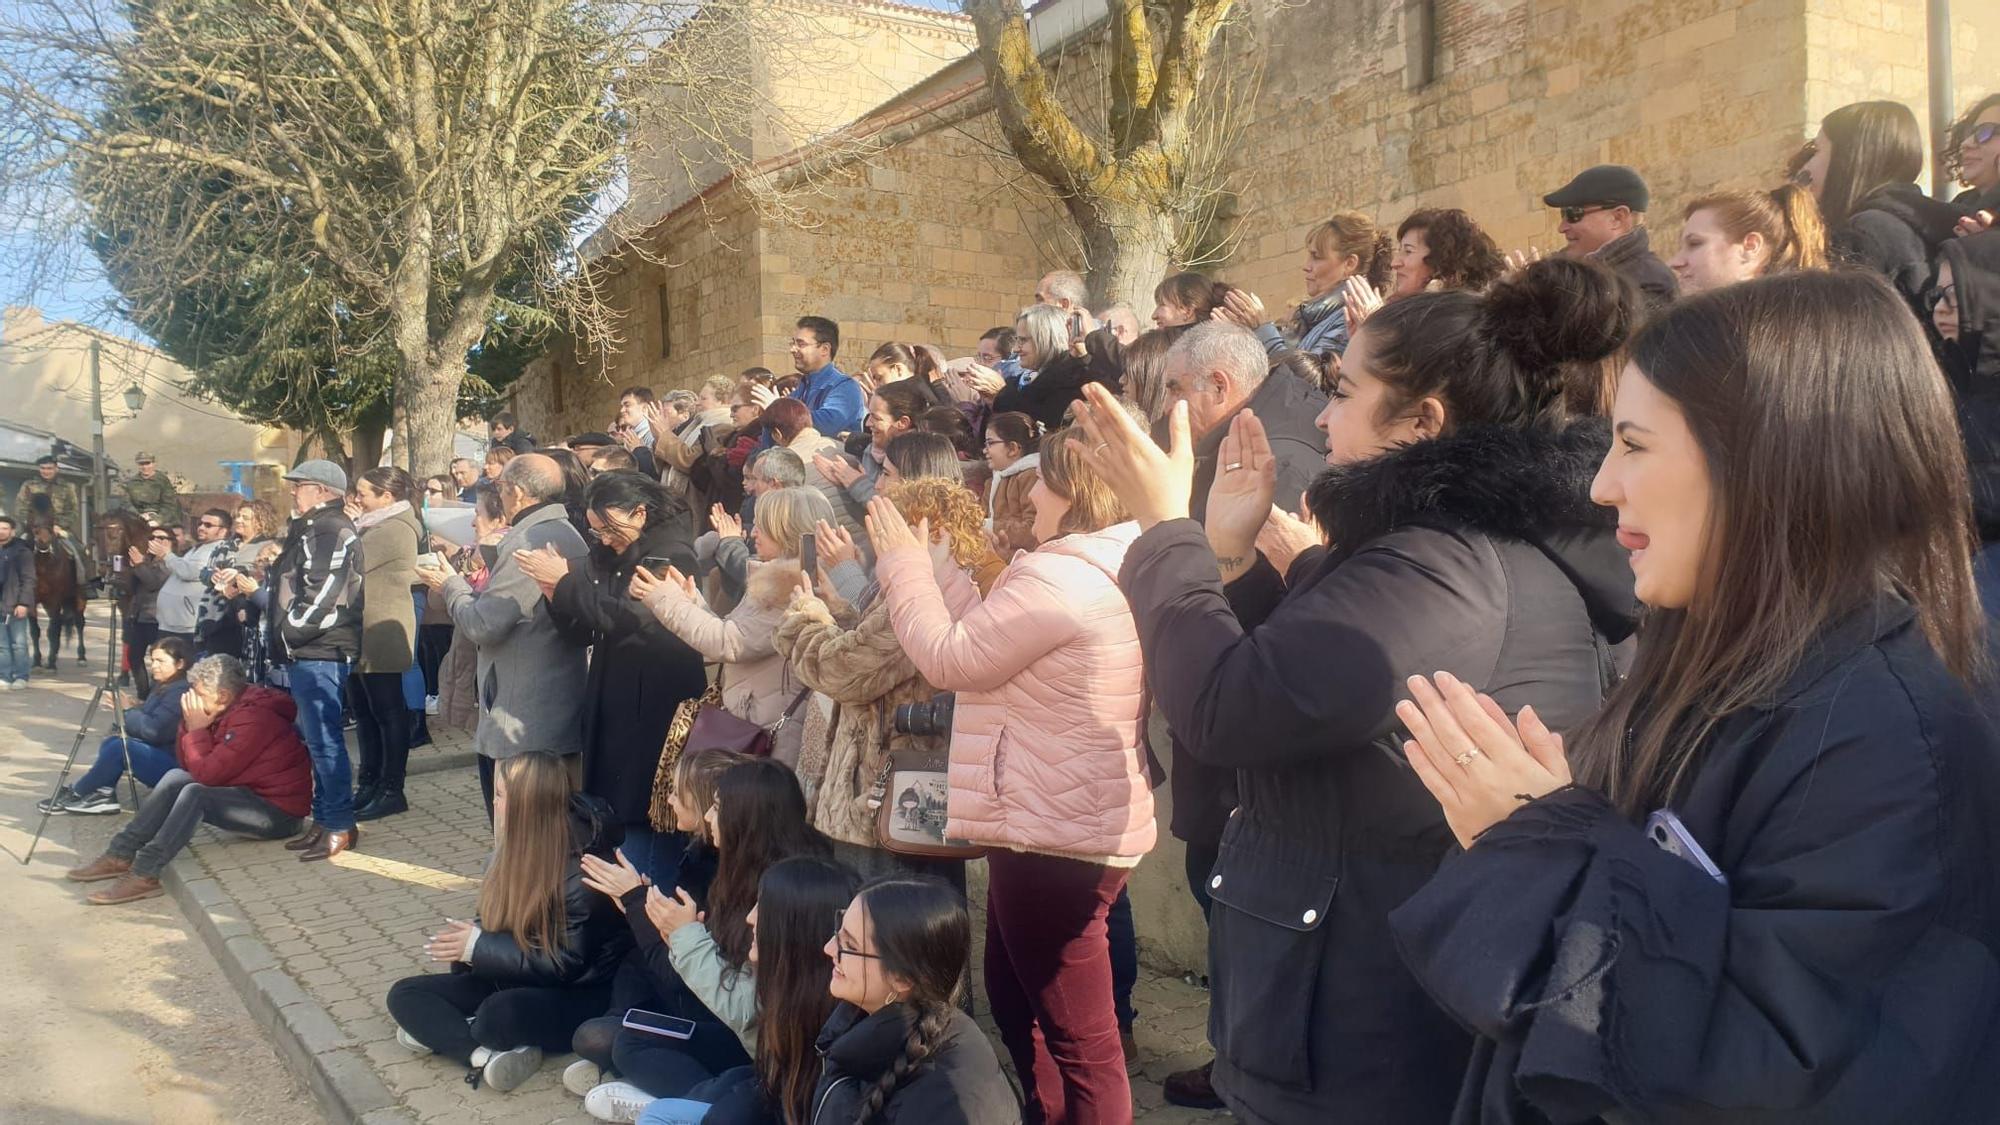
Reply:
x=139, y=636
x=434, y=1009
x=433, y=641
x=381, y=729
x=663, y=1067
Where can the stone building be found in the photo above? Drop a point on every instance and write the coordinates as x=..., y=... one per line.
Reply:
x=935, y=234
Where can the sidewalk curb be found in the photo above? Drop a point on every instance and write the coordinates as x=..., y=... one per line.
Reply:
x=333, y=1067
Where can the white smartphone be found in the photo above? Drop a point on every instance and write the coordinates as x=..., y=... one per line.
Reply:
x=1671, y=836
x=654, y=1023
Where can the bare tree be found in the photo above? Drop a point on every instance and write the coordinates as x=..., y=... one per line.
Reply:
x=406, y=173
x=1136, y=171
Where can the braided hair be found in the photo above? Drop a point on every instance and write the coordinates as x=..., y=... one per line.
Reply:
x=922, y=935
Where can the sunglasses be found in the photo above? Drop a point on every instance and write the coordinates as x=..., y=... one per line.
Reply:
x=1981, y=133
x=161, y=538
x=1576, y=214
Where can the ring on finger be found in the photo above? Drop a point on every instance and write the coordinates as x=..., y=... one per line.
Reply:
x=1465, y=759
x=1102, y=446
x=1232, y=466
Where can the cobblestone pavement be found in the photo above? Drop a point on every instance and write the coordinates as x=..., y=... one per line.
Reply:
x=345, y=931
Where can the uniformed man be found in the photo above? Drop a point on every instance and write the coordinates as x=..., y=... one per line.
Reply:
x=64, y=504
x=151, y=494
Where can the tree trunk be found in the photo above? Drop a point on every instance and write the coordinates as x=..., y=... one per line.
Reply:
x=1126, y=251
x=427, y=415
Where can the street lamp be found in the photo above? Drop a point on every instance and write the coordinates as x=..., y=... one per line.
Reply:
x=135, y=398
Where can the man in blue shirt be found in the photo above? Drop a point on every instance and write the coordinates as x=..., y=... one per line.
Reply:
x=834, y=398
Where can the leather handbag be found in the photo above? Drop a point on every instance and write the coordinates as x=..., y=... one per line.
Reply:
x=910, y=801
x=703, y=723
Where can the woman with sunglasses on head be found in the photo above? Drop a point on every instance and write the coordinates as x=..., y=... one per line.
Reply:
x=1863, y=170
x=1454, y=528
x=1758, y=886
x=640, y=673
x=1971, y=152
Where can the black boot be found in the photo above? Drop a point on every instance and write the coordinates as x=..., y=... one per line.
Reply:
x=366, y=790
x=385, y=802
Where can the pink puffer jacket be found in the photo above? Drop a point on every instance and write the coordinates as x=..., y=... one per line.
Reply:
x=1045, y=747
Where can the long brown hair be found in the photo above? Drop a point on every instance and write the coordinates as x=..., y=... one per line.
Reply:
x=760, y=819
x=1875, y=145
x=923, y=934
x=522, y=893
x=1835, y=472
x=799, y=901
x=1092, y=504
x=1786, y=216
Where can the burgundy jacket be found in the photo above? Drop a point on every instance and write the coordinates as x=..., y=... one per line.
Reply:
x=253, y=744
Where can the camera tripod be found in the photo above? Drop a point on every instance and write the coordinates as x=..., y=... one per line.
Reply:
x=107, y=685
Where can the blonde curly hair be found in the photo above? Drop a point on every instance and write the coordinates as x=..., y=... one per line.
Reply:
x=950, y=507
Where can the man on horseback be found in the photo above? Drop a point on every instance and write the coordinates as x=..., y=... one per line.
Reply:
x=59, y=500
x=151, y=494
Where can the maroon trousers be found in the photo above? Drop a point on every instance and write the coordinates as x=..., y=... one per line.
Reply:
x=1048, y=979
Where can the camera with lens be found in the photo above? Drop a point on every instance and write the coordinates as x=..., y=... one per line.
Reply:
x=927, y=720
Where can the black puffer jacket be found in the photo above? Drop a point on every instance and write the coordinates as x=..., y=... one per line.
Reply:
x=1848, y=972
x=594, y=937
x=1046, y=399
x=639, y=671
x=1896, y=231
x=1973, y=363
x=157, y=721
x=1478, y=553
x=960, y=1084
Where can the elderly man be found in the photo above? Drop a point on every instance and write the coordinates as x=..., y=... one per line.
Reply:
x=530, y=677
x=464, y=474
x=243, y=768
x=150, y=493
x=316, y=627
x=1220, y=370
x=1603, y=211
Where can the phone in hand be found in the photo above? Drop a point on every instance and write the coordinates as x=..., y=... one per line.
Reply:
x=1076, y=327
x=1668, y=834
x=655, y=1023
x=656, y=565
x=434, y=560
x=809, y=554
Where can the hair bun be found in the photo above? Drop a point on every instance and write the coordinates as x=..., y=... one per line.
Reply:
x=1559, y=311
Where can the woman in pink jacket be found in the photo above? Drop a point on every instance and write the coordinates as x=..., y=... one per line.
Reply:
x=1047, y=767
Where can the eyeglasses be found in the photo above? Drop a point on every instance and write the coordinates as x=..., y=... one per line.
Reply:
x=1947, y=295
x=840, y=948
x=1576, y=214
x=991, y=442
x=164, y=538
x=206, y=523
x=433, y=490
x=1981, y=133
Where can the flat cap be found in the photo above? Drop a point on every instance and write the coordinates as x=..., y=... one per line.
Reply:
x=1613, y=184
x=320, y=472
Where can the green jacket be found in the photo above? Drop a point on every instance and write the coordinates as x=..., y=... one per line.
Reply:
x=63, y=501
x=155, y=496
x=729, y=993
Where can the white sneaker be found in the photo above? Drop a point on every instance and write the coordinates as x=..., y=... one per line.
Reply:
x=430, y=704
x=410, y=1043
x=582, y=1076
x=616, y=1101
x=508, y=1069
x=479, y=1057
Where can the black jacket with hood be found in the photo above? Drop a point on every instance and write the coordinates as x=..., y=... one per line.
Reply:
x=1479, y=553
x=1896, y=231
x=594, y=938
x=1973, y=363
x=1849, y=970
x=959, y=1084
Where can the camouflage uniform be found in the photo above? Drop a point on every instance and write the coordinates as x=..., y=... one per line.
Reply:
x=68, y=510
x=155, y=497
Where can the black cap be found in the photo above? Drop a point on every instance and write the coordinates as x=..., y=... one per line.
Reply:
x=46, y=459
x=1613, y=184
x=594, y=437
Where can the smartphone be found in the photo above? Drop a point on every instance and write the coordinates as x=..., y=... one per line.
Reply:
x=1075, y=327
x=1668, y=834
x=809, y=554
x=489, y=555
x=656, y=564
x=653, y=1023
x=435, y=560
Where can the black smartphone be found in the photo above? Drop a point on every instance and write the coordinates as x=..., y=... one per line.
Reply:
x=656, y=564
x=1075, y=327
x=655, y=1023
x=809, y=554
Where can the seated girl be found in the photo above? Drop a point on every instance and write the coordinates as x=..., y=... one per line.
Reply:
x=539, y=956
x=151, y=729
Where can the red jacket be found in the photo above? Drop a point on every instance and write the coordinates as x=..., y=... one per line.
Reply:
x=253, y=744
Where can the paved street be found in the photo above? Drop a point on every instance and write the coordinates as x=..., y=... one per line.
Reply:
x=322, y=943
x=114, y=1014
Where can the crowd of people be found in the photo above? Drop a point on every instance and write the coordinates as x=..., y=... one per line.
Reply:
x=1570, y=671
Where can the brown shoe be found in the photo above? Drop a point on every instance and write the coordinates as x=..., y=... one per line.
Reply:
x=331, y=844
x=1131, y=1046
x=131, y=888
x=305, y=839
x=106, y=866
x=1192, y=1089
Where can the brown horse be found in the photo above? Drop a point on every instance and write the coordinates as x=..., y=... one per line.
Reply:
x=57, y=593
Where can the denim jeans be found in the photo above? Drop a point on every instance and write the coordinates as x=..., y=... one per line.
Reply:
x=150, y=763
x=315, y=686
x=168, y=817
x=15, y=652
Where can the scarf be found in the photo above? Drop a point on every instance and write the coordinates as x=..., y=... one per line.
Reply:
x=366, y=520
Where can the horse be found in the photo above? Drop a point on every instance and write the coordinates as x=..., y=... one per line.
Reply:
x=119, y=531
x=57, y=593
